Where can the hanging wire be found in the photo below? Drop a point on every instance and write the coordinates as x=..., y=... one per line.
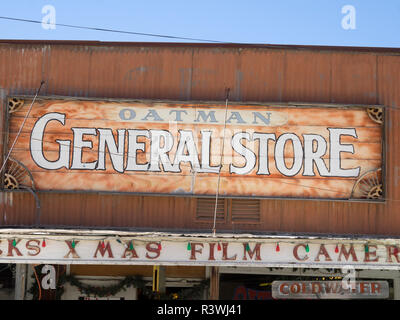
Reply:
x=220, y=162
x=112, y=30
x=38, y=282
x=22, y=125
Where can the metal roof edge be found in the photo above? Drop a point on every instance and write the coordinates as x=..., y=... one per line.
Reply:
x=299, y=104
x=101, y=234
x=203, y=45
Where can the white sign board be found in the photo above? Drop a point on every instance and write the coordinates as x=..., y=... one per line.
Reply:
x=319, y=253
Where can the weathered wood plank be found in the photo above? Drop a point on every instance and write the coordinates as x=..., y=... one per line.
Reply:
x=347, y=143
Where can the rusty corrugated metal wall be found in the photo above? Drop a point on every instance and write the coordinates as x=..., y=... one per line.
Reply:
x=202, y=72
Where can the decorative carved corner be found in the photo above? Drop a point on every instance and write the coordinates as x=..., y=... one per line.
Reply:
x=14, y=104
x=375, y=114
x=369, y=186
x=17, y=176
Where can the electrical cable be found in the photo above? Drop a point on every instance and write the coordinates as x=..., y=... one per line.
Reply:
x=113, y=30
x=22, y=125
x=38, y=282
x=220, y=162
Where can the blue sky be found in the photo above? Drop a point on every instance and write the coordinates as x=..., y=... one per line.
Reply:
x=298, y=22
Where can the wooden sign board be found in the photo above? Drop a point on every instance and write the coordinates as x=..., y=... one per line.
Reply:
x=330, y=289
x=184, y=148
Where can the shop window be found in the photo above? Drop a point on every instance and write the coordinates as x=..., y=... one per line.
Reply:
x=237, y=210
x=245, y=287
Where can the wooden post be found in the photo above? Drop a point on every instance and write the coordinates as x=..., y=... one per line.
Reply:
x=159, y=279
x=214, y=283
x=20, y=281
x=162, y=281
x=396, y=289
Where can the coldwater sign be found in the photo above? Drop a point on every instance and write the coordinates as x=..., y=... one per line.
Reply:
x=308, y=151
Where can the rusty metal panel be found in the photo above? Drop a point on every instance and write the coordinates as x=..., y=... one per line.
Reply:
x=203, y=72
x=215, y=69
x=21, y=68
x=354, y=78
x=261, y=81
x=314, y=68
x=67, y=70
x=388, y=84
x=139, y=72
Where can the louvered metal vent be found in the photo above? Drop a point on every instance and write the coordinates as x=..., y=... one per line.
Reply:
x=205, y=208
x=245, y=211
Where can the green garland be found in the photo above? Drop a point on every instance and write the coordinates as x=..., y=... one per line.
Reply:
x=99, y=291
x=194, y=292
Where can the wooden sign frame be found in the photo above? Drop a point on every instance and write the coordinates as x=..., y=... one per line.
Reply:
x=357, y=130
